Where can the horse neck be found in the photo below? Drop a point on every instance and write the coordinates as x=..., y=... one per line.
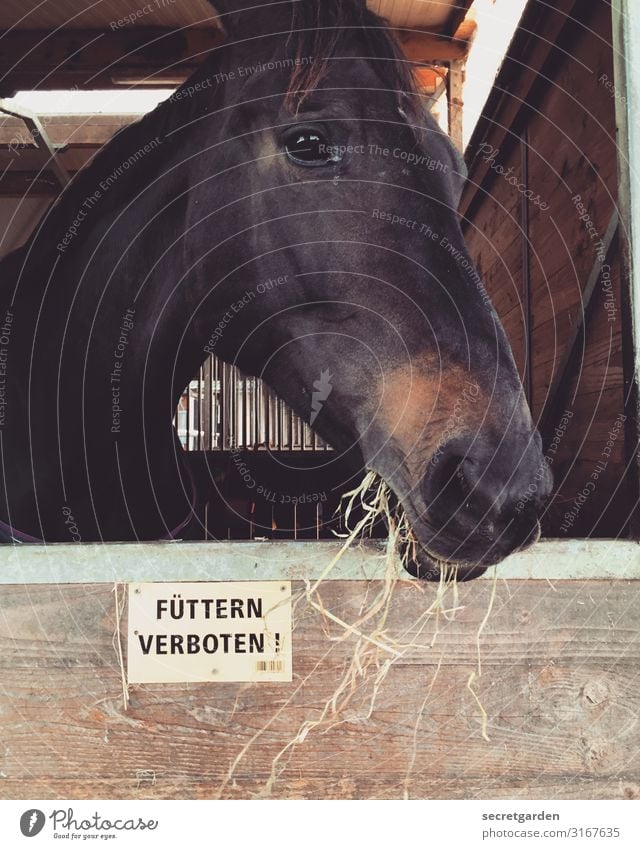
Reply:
x=78, y=334
x=91, y=318
x=73, y=296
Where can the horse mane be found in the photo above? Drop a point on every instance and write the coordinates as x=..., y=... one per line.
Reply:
x=321, y=29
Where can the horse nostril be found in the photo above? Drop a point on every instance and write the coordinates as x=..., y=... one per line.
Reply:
x=449, y=491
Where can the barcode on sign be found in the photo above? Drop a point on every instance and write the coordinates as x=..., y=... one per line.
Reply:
x=270, y=666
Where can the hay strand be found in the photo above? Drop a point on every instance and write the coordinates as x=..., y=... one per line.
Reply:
x=120, y=602
x=374, y=650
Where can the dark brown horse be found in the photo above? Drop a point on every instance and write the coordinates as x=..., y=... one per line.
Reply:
x=300, y=152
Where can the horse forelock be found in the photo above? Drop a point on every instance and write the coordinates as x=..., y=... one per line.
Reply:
x=319, y=30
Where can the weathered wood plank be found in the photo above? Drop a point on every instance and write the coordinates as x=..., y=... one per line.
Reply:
x=558, y=685
x=89, y=130
x=340, y=787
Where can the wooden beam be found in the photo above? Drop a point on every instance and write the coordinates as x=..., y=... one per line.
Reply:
x=91, y=59
x=425, y=46
x=430, y=80
x=457, y=16
x=558, y=692
x=63, y=130
x=455, y=82
x=151, y=56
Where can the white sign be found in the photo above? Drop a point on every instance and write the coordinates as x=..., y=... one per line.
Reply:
x=238, y=631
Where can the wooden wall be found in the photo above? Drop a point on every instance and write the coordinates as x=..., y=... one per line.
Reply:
x=558, y=683
x=551, y=120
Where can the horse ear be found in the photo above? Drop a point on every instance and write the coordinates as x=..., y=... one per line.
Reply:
x=247, y=18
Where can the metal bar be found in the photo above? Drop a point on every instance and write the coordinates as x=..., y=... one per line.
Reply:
x=626, y=54
x=233, y=404
x=100, y=563
x=46, y=148
x=193, y=390
x=206, y=404
x=258, y=409
x=200, y=434
x=559, y=389
x=256, y=414
x=274, y=420
x=283, y=429
x=40, y=139
x=244, y=413
x=187, y=418
x=219, y=403
x=203, y=410
x=212, y=409
x=266, y=409
x=223, y=406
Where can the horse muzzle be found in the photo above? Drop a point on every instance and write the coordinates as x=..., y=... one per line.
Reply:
x=481, y=503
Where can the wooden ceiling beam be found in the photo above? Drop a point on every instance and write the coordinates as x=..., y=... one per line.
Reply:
x=457, y=16
x=91, y=59
x=63, y=130
x=430, y=79
x=428, y=47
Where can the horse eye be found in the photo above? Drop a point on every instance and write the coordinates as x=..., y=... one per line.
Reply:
x=306, y=147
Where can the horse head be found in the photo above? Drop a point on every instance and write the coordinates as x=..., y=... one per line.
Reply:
x=342, y=269
x=292, y=207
